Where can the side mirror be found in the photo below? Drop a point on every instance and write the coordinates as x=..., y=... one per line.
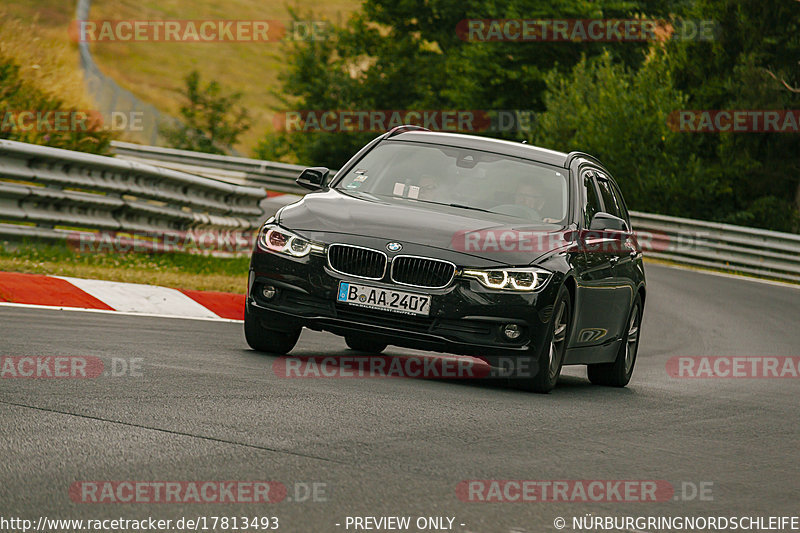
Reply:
x=607, y=221
x=313, y=178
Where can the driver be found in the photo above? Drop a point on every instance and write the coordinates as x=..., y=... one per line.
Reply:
x=529, y=195
x=428, y=185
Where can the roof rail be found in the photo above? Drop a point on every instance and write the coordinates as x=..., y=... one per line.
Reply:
x=404, y=128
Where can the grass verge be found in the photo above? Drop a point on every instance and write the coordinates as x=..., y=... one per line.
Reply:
x=177, y=270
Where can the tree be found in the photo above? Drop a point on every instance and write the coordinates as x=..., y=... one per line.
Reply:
x=212, y=120
x=752, y=65
x=613, y=99
x=405, y=54
x=620, y=115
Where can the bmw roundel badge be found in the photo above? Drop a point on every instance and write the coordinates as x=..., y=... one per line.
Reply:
x=394, y=246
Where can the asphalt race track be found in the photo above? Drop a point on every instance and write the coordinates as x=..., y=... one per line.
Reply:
x=205, y=407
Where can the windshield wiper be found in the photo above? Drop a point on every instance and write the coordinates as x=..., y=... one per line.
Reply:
x=470, y=208
x=459, y=206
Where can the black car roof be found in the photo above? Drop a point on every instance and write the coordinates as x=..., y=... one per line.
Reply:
x=517, y=149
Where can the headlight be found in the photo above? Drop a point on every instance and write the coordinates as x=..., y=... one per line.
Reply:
x=510, y=279
x=276, y=239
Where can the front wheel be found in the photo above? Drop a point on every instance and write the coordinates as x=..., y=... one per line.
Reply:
x=618, y=373
x=266, y=340
x=552, y=357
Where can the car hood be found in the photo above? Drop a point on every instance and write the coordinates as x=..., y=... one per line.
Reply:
x=489, y=236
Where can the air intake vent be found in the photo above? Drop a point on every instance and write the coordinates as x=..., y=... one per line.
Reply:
x=357, y=261
x=422, y=271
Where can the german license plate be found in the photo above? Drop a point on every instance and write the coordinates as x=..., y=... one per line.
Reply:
x=384, y=299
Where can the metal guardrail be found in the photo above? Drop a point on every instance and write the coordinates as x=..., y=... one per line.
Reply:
x=693, y=242
x=721, y=246
x=61, y=191
x=271, y=175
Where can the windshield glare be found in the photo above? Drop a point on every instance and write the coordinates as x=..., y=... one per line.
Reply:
x=468, y=178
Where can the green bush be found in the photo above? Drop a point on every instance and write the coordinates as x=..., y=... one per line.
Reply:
x=611, y=99
x=620, y=115
x=18, y=95
x=212, y=120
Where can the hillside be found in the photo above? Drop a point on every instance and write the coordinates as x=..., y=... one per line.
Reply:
x=33, y=35
x=154, y=71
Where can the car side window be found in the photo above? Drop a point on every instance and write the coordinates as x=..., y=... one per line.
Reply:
x=623, y=210
x=590, y=193
x=610, y=205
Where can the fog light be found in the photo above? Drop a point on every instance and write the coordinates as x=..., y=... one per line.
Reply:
x=269, y=292
x=512, y=331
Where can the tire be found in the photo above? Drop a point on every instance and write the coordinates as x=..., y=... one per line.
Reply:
x=552, y=357
x=361, y=344
x=266, y=340
x=618, y=373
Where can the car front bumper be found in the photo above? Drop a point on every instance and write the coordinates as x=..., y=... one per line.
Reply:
x=465, y=317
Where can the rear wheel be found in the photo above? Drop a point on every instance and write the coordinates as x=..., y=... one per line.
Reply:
x=362, y=344
x=618, y=373
x=266, y=340
x=552, y=357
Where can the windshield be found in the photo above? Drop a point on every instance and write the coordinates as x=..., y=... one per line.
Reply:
x=461, y=177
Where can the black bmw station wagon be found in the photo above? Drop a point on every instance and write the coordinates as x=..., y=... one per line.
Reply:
x=458, y=244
